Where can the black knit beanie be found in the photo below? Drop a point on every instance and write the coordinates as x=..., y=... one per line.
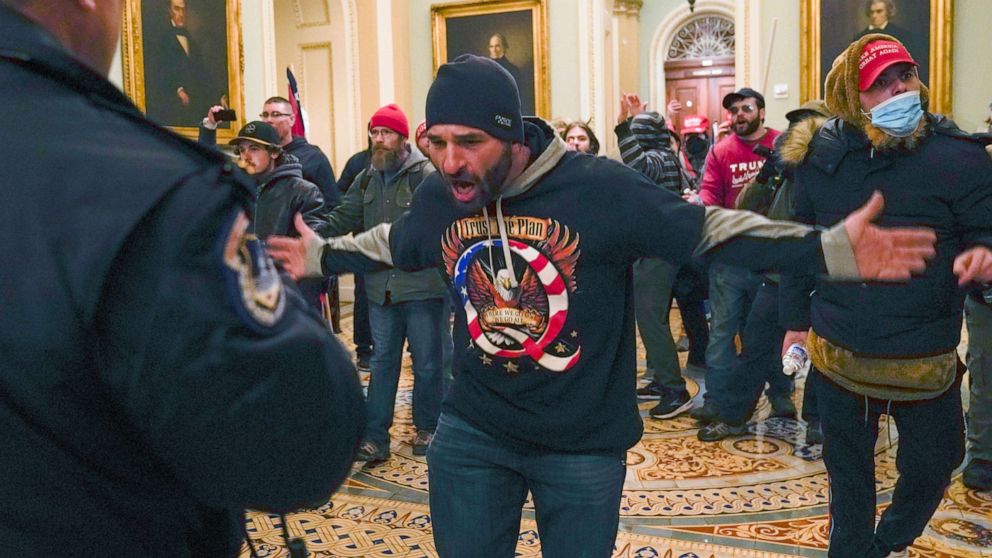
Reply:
x=476, y=92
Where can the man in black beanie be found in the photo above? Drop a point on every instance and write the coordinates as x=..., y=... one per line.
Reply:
x=537, y=243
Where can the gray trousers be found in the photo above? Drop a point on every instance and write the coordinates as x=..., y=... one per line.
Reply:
x=653, y=280
x=979, y=360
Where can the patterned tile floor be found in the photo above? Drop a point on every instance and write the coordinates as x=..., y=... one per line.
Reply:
x=760, y=495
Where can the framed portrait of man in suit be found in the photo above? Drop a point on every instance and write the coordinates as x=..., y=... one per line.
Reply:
x=923, y=26
x=511, y=32
x=182, y=57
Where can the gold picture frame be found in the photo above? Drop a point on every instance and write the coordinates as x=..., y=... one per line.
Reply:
x=150, y=49
x=934, y=23
x=468, y=27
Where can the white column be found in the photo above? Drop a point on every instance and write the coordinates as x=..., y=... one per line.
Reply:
x=384, y=39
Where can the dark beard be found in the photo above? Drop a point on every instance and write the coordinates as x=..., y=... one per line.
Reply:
x=489, y=186
x=752, y=127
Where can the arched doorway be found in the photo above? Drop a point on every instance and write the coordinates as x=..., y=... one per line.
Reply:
x=699, y=66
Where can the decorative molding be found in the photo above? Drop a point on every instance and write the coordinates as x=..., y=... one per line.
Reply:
x=301, y=65
x=666, y=31
x=324, y=17
x=354, y=116
x=269, y=68
x=628, y=7
x=592, y=77
x=384, y=47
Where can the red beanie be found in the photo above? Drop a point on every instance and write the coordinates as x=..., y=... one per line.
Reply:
x=392, y=117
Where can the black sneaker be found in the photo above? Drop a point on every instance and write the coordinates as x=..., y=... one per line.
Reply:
x=814, y=433
x=422, y=441
x=363, y=364
x=652, y=390
x=782, y=406
x=672, y=403
x=705, y=414
x=978, y=474
x=372, y=452
x=682, y=345
x=715, y=431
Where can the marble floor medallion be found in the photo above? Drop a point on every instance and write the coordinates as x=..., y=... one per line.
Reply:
x=763, y=494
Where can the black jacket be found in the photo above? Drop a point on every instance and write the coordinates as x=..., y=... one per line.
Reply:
x=146, y=398
x=284, y=193
x=315, y=166
x=944, y=183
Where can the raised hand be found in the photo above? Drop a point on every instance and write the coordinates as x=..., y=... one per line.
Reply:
x=889, y=254
x=624, y=113
x=636, y=106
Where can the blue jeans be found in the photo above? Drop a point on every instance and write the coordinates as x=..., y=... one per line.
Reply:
x=732, y=289
x=479, y=485
x=420, y=322
x=361, y=332
x=759, y=362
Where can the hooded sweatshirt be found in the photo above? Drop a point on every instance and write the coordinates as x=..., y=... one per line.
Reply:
x=544, y=331
x=646, y=145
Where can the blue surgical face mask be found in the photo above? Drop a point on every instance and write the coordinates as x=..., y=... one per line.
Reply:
x=899, y=115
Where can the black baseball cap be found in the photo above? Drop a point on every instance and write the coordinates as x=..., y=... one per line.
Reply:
x=258, y=132
x=743, y=93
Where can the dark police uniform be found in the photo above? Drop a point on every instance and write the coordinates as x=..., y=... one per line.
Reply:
x=156, y=377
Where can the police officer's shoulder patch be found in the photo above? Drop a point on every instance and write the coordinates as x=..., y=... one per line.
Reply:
x=253, y=283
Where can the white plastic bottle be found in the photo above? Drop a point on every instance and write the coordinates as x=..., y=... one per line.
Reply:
x=795, y=360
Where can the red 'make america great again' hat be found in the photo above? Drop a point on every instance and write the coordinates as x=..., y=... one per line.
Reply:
x=876, y=56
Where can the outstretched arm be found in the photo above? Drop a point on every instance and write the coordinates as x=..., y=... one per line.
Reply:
x=854, y=249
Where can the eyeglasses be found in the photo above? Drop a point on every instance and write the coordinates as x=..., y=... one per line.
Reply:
x=274, y=114
x=382, y=132
x=746, y=109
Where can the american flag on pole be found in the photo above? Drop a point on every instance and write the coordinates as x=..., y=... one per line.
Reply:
x=299, y=127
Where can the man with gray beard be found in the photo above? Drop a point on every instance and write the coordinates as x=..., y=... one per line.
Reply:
x=402, y=305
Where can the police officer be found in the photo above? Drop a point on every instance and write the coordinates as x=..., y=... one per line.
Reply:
x=156, y=376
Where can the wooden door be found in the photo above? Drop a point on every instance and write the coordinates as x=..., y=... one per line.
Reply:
x=700, y=86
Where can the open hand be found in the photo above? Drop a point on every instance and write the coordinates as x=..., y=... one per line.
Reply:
x=624, y=113
x=636, y=106
x=889, y=254
x=290, y=252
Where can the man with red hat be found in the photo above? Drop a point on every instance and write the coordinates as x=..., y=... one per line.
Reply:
x=889, y=349
x=403, y=306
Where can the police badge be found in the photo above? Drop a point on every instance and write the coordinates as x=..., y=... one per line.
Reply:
x=252, y=279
